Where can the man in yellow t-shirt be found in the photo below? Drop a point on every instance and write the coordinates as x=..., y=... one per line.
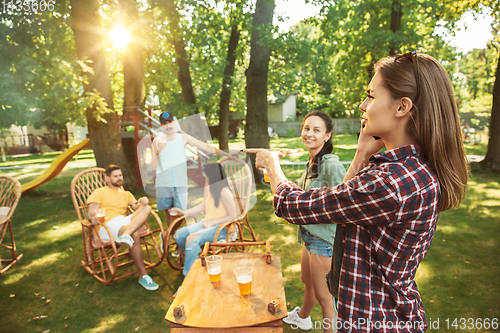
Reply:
x=115, y=200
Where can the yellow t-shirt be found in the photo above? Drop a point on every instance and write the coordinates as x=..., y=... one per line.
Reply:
x=212, y=212
x=115, y=202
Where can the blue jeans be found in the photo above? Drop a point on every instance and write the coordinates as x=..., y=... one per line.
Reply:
x=168, y=197
x=193, y=249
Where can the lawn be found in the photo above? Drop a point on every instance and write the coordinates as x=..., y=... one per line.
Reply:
x=48, y=291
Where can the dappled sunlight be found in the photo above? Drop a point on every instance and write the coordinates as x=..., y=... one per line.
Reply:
x=20, y=174
x=62, y=231
x=489, y=188
x=108, y=323
x=485, y=207
x=292, y=268
x=337, y=146
x=448, y=229
x=23, y=270
x=12, y=278
x=23, y=174
x=289, y=239
x=424, y=274
x=34, y=223
x=289, y=273
x=45, y=260
x=485, y=211
x=491, y=203
x=265, y=195
x=28, y=162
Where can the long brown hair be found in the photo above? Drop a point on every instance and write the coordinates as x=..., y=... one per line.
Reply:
x=327, y=148
x=435, y=122
x=217, y=180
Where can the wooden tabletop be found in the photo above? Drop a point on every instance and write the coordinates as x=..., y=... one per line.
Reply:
x=221, y=306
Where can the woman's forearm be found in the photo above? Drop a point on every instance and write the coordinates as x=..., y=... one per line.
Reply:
x=276, y=175
x=359, y=162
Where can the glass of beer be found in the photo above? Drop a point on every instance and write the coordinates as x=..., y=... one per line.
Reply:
x=214, y=267
x=266, y=175
x=244, y=278
x=101, y=215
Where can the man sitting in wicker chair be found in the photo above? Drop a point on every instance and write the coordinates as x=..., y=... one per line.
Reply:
x=124, y=228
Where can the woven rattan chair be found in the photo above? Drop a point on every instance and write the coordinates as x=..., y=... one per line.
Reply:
x=10, y=193
x=104, y=258
x=240, y=233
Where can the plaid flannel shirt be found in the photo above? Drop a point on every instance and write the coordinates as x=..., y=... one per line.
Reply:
x=388, y=214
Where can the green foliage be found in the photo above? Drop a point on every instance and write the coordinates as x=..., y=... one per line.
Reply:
x=290, y=133
x=325, y=61
x=38, y=71
x=206, y=33
x=474, y=86
x=359, y=33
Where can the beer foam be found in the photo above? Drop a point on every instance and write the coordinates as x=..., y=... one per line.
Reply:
x=244, y=279
x=214, y=271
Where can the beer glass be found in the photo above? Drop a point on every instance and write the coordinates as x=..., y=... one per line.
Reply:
x=244, y=278
x=101, y=215
x=214, y=267
x=266, y=176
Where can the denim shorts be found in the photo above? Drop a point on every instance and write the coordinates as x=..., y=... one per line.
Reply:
x=168, y=197
x=316, y=245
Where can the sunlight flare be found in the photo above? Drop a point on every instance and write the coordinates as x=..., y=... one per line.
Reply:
x=120, y=37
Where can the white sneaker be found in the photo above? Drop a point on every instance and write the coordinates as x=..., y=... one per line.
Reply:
x=297, y=322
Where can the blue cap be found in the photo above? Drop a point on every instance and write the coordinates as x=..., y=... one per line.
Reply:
x=165, y=116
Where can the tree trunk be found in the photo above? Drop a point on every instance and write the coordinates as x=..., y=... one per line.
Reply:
x=133, y=72
x=256, y=119
x=105, y=137
x=396, y=14
x=492, y=159
x=225, y=96
x=183, y=75
x=133, y=62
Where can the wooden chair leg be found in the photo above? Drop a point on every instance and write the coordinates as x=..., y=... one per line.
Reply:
x=12, y=248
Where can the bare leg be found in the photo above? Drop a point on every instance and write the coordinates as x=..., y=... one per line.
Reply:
x=320, y=266
x=138, y=218
x=137, y=255
x=309, y=300
x=192, y=237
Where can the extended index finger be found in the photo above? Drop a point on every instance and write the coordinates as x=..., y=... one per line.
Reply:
x=258, y=150
x=253, y=150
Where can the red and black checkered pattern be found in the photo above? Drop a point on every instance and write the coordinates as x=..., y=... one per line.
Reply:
x=388, y=214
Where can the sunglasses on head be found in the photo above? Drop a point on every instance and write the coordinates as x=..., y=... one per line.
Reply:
x=413, y=56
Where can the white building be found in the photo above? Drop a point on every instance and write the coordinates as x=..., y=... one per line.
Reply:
x=283, y=109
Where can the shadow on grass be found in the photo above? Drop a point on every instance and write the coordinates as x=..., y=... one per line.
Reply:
x=49, y=280
x=458, y=279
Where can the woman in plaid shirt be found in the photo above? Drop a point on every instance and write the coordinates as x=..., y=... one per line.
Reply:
x=389, y=202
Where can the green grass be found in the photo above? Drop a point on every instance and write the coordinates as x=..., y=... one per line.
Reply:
x=46, y=158
x=458, y=278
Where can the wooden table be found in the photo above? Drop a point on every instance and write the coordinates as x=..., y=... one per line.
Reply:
x=202, y=306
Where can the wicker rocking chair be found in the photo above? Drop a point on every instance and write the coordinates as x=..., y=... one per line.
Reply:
x=240, y=234
x=10, y=193
x=104, y=258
